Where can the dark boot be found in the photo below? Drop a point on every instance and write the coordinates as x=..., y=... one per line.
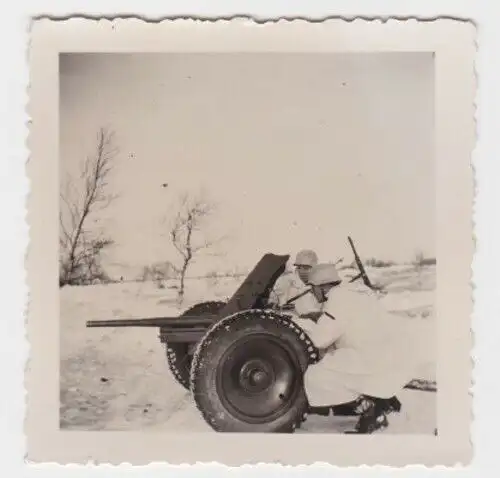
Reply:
x=373, y=414
x=394, y=405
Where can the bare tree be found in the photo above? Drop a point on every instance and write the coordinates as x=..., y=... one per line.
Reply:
x=188, y=235
x=82, y=199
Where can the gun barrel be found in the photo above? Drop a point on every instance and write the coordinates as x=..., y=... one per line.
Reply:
x=155, y=322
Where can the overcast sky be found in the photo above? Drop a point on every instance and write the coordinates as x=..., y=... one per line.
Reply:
x=297, y=150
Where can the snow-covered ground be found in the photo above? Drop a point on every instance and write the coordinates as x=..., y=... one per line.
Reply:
x=118, y=379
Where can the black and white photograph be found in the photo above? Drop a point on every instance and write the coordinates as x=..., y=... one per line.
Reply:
x=248, y=242
x=200, y=193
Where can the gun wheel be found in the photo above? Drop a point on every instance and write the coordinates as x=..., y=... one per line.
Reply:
x=247, y=371
x=179, y=355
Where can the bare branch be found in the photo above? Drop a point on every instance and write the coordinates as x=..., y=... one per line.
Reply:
x=82, y=250
x=187, y=233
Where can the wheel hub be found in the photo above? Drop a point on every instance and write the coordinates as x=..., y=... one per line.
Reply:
x=257, y=378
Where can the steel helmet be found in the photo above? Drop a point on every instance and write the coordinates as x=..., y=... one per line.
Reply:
x=306, y=257
x=324, y=274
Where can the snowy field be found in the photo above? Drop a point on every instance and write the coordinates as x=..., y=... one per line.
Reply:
x=118, y=379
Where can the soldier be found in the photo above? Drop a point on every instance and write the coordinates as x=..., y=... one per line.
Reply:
x=296, y=285
x=366, y=355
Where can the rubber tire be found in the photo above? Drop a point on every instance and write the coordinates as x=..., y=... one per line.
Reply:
x=178, y=357
x=210, y=350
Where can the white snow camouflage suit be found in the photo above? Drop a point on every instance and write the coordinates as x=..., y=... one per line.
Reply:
x=366, y=350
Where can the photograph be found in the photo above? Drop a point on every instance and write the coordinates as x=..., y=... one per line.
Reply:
x=241, y=231
x=247, y=242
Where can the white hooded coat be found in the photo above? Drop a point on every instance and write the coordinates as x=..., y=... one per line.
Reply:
x=366, y=350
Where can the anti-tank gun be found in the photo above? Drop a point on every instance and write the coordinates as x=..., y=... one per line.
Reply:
x=243, y=360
